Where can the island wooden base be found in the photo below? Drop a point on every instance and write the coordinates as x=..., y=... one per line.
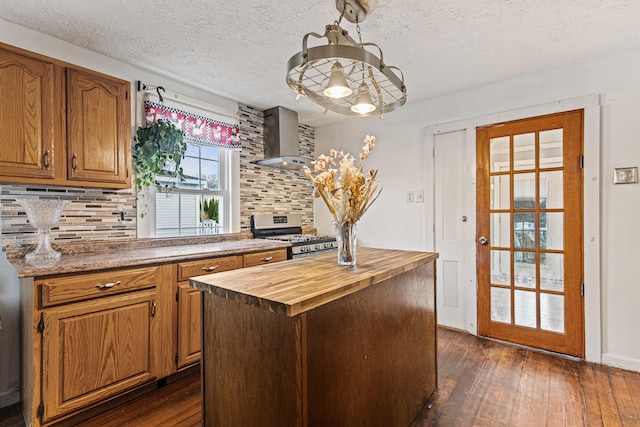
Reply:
x=367, y=359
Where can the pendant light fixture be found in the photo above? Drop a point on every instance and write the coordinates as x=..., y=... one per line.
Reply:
x=337, y=86
x=329, y=73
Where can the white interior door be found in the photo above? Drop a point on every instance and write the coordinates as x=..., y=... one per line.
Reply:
x=449, y=230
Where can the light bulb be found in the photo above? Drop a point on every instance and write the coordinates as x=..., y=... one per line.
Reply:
x=337, y=87
x=363, y=104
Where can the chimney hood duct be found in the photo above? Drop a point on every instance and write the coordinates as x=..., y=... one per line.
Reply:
x=281, y=145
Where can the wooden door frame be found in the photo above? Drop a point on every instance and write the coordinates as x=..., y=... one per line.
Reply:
x=591, y=208
x=570, y=340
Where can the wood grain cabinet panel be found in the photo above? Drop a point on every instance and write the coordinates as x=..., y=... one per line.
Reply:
x=189, y=321
x=95, y=349
x=267, y=257
x=88, y=286
x=28, y=128
x=61, y=124
x=189, y=269
x=98, y=119
x=189, y=302
x=189, y=327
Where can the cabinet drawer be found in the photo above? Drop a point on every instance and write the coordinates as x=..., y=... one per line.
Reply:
x=86, y=286
x=267, y=257
x=207, y=266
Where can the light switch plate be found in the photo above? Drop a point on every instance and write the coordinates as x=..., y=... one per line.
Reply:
x=625, y=175
x=419, y=196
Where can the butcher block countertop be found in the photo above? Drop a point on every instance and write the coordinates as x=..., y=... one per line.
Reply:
x=115, y=255
x=299, y=285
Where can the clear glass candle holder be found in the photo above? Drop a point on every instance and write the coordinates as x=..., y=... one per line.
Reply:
x=43, y=215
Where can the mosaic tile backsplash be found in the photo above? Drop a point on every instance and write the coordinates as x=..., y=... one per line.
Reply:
x=99, y=215
x=268, y=190
x=93, y=214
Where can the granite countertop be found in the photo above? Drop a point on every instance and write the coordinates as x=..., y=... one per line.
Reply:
x=130, y=254
x=302, y=284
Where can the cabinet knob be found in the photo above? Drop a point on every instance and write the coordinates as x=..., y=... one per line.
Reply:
x=107, y=285
x=213, y=267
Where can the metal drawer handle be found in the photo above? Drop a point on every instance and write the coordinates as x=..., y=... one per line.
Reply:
x=107, y=285
x=74, y=162
x=45, y=160
x=267, y=259
x=154, y=306
x=213, y=267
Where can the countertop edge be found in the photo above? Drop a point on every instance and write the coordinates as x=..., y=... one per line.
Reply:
x=144, y=257
x=364, y=280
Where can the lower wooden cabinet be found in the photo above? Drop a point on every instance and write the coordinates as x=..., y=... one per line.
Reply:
x=189, y=325
x=96, y=336
x=189, y=300
x=95, y=349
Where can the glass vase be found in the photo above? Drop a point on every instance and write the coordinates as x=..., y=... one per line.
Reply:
x=43, y=215
x=346, y=241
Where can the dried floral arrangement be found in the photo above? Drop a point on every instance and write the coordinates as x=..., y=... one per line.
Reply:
x=347, y=190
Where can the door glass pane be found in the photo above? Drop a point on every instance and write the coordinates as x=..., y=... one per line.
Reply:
x=524, y=230
x=551, y=230
x=552, y=272
x=500, y=267
x=552, y=312
x=524, y=269
x=500, y=192
x=500, y=229
x=551, y=148
x=525, y=308
x=501, y=305
x=499, y=154
x=551, y=190
x=524, y=191
x=524, y=151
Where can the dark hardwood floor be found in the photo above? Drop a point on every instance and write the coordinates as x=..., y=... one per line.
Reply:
x=481, y=383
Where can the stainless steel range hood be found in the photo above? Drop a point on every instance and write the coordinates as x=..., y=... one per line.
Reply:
x=281, y=145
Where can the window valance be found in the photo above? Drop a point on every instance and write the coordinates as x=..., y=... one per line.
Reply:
x=196, y=128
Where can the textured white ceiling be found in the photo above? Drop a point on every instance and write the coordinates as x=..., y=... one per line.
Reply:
x=239, y=49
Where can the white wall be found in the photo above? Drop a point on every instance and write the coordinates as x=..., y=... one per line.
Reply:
x=403, y=162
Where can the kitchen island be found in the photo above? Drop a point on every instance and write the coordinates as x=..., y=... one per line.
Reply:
x=309, y=343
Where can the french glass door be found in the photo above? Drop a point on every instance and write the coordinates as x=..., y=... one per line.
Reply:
x=529, y=232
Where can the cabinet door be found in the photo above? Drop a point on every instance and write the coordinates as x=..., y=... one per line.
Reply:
x=95, y=349
x=27, y=116
x=189, y=325
x=98, y=132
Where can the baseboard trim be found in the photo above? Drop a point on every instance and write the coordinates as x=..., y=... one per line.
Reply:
x=9, y=397
x=621, y=362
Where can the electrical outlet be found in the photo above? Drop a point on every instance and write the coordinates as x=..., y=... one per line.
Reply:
x=419, y=196
x=409, y=196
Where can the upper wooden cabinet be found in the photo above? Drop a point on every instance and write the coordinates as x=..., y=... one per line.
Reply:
x=98, y=120
x=29, y=130
x=61, y=124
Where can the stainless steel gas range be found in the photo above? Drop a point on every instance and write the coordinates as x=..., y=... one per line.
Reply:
x=288, y=228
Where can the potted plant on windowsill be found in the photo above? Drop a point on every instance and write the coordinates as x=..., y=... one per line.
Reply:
x=158, y=150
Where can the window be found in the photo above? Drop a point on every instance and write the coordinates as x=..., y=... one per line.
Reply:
x=207, y=202
x=196, y=206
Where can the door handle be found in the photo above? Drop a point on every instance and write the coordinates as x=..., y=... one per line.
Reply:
x=483, y=241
